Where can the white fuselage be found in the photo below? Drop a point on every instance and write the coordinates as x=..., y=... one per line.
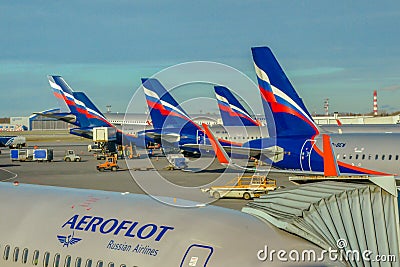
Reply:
x=50, y=226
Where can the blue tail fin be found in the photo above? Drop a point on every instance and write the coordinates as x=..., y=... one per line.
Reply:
x=165, y=112
x=278, y=95
x=81, y=96
x=86, y=117
x=232, y=111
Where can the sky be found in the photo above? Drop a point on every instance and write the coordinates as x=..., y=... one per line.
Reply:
x=341, y=50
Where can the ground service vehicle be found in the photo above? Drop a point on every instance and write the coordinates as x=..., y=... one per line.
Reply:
x=246, y=187
x=176, y=162
x=94, y=148
x=71, y=156
x=31, y=154
x=12, y=141
x=109, y=164
x=43, y=154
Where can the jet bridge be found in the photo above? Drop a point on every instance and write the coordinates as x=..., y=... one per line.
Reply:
x=345, y=216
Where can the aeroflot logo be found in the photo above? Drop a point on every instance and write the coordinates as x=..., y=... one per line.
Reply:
x=68, y=240
x=113, y=226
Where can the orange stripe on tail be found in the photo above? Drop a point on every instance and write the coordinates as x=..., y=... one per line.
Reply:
x=219, y=152
x=330, y=165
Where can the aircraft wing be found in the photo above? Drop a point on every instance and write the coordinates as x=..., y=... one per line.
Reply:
x=167, y=137
x=224, y=159
x=245, y=151
x=83, y=132
x=67, y=117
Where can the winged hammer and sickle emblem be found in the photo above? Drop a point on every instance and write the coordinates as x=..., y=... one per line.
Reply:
x=68, y=240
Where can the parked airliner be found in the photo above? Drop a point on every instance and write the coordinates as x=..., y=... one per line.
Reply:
x=87, y=116
x=295, y=133
x=63, y=227
x=173, y=125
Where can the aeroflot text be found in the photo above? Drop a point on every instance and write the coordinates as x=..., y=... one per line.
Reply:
x=127, y=228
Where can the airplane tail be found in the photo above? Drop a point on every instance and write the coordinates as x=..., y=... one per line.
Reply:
x=81, y=96
x=165, y=112
x=281, y=102
x=232, y=111
x=87, y=115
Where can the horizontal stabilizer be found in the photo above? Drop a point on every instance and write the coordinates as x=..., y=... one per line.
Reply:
x=67, y=117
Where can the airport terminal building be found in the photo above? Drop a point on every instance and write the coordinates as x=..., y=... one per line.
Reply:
x=42, y=123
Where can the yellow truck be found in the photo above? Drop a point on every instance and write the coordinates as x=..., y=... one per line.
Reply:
x=246, y=187
x=109, y=164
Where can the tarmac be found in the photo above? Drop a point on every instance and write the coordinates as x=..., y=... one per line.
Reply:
x=139, y=176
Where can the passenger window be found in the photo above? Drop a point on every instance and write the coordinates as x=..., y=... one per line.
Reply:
x=376, y=157
x=6, y=252
x=16, y=253
x=357, y=156
x=390, y=157
x=344, y=156
x=99, y=264
x=350, y=156
x=397, y=157
x=88, y=263
x=369, y=157
x=383, y=157
x=35, y=259
x=46, y=259
x=337, y=156
x=111, y=264
x=78, y=262
x=25, y=256
x=56, y=260
x=67, y=261
x=122, y=265
x=363, y=156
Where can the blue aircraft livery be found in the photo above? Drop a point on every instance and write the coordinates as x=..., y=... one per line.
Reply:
x=289, y=113
x=88, y=115
x=116, y=227
x=68, y=240
x=169, y=118
x=232, y=111
x=295, y=131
